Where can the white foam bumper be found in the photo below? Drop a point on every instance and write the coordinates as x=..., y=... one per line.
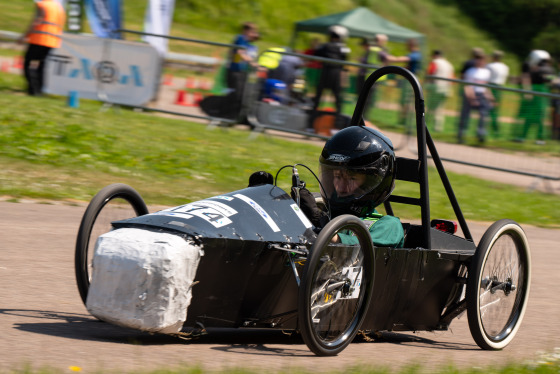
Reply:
x=142, y=279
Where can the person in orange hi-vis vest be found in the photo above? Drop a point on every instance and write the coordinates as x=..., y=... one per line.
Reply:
x=42, y=35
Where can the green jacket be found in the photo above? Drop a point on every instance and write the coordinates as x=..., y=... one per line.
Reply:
x=385, y=231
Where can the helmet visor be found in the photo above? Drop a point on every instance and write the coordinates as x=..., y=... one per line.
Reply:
x=348, y=185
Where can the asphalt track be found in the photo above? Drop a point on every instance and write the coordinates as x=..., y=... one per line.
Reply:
x=43, y=321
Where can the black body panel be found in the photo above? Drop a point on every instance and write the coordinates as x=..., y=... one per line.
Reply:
x=262, y=213
x=245, y=280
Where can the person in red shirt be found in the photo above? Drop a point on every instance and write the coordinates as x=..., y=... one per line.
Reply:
x=312, y=67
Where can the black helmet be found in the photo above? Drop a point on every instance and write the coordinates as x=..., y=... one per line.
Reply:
x=357, y=170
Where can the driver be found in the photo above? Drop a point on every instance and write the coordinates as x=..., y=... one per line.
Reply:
x=357, y=173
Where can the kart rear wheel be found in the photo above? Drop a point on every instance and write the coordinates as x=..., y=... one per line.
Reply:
x=336, y=287
x=498, y=285
x=114, y=202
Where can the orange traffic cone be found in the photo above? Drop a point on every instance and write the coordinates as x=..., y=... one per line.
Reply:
x=5, y=67
x=189, y=101
x=206, y=85
x=191, y=83
x=180, y=97
x=198, y=97
x=167, y=80
x=18, y=62
x=185, y=99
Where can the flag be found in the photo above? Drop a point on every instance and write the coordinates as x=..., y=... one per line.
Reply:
x=158, y=20
x=104, y=17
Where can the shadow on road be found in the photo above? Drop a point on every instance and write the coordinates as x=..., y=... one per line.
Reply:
x=82, y=326
x=234, y=340
x=412, y=340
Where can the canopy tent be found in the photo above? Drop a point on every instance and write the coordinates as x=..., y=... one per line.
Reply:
x=361, y=23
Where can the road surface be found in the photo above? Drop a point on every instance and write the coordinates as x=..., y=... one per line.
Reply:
x=44, y=323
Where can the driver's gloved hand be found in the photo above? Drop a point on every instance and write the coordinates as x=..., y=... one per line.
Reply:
x=260, y=177
x=309, y=206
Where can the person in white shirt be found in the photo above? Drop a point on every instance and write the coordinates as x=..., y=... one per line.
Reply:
x=438, y=89
x=499, y=73
x=476, y=97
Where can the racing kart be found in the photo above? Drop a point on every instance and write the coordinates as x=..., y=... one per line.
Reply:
x=259, y=263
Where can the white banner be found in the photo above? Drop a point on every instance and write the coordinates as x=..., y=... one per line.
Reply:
x=158, y=20
x=111, y=70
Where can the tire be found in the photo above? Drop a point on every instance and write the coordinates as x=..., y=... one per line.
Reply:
x=336, y=288
x=112, y=203
x=498, y=285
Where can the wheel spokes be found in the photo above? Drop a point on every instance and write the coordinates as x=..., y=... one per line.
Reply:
x=497, y=296
x=336, y=290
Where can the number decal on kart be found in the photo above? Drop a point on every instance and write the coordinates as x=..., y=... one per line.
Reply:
x=213, y=212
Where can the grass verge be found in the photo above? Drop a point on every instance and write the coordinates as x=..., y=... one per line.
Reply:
x=549, y=364
x=51, y=151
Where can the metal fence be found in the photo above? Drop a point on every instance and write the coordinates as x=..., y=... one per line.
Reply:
x=188, y=93
x=291, y=111
x=518, y=116
x=390, y=107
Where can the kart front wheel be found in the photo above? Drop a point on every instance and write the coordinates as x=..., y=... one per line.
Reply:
x=114, y=202
x=336, y=286
x=498, y=285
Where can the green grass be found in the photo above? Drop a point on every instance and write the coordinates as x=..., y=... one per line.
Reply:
x=51, y=151
x=548, y=365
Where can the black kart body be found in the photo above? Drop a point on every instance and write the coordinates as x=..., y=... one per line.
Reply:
x=245, y=278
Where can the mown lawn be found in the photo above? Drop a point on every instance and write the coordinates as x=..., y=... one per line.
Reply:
x=51, y=151
x=548, y=363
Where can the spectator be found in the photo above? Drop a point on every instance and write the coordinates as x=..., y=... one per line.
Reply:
x=241, y=59
x=438, y=89
x=370, y=56
x=284, y=68
x=384, y=56
x=555, y=88
x=414, y=57
x=498, y=77
x=332, y=74
x=413, y=63
x=475, y=53
x=42, y=35
x=413, y=60
x=287, y=70
x=476, y=97
x=312, y=68
x=536, y=73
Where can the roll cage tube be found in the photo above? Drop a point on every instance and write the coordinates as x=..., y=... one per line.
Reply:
x=422, y=134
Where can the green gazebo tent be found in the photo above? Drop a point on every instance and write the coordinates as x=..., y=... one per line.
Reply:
x=361, y=23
